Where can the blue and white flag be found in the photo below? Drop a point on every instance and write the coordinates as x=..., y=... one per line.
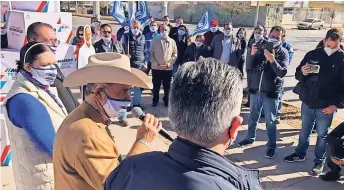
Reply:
x=204, y=24
x=118, y=12
x=142, y=13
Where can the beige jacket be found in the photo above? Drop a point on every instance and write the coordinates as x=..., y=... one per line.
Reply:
x=163, y=52
x=32, y=168
x=85, y=152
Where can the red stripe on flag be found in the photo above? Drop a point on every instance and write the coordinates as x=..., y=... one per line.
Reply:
x=5, y=153
x=41, y=6
x=69, y=37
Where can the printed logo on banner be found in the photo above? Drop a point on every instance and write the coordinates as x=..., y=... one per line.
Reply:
x=66, y=63
x=10, y=73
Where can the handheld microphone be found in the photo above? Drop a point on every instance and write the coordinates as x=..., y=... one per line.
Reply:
x=138, y=113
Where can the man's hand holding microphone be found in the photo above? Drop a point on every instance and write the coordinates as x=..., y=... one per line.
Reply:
x=148, y=129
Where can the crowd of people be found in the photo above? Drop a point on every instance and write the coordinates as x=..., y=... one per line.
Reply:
x=58, y=143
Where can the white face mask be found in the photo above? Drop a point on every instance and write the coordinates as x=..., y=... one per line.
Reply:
x=213, y=29
x=136, y=32
x=153, y=28
x=227, y=32
x=167, y=22
x=106, y=39
x=177, y=24
x=330, y=51
x=275, y=42
x=198, y=44
x=240, y=35
x=181, y=32
x=46, y=75
x=257, y=36
x=164, y=34
x=112, y=106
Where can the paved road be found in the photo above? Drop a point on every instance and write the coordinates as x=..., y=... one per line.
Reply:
x=301, y=40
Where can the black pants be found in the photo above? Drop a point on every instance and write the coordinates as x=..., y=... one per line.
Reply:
x=333, y=167
x=158, y=77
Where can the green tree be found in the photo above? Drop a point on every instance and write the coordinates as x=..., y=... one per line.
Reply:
x=233, y=8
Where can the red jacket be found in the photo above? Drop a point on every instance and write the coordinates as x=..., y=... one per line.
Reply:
x=208, y=37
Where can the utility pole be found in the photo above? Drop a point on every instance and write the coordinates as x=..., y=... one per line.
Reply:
x=97, y=10
x=257, y=15
x=165, y=8
x=76, y=7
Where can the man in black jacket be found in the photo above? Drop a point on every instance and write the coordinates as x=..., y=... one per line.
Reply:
x=335, y=153
x=43, y=32
x=265, y=84
x=321, y=90
x=107, y=44
x=195, y=159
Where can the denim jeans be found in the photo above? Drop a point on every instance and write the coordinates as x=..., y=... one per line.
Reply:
x=258, y=102
x=323, y=123
x=279, y=107
x=122, y=114
x=137, y=93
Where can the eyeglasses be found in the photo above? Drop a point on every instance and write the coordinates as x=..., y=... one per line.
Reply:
x=54, y=42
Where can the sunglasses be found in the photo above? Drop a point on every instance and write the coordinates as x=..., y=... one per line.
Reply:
x=107, y=32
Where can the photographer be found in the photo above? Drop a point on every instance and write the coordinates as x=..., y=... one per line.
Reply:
x=321, y=90
x=269, y=62
x=335, y=153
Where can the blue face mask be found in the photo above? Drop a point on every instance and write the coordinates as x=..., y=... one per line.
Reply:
x=113, y=106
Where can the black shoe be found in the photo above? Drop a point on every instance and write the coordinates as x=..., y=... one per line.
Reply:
x=270, y=153
x=278, y=120
x=317, y=169
x=245, y=143
x=314, y=131
x=154, y=104
x=166, y=104
x=330, y=176
x=247, y=105
x=294, y=158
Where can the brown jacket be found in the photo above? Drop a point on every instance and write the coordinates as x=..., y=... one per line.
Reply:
x=84, y=151
x=163, y=52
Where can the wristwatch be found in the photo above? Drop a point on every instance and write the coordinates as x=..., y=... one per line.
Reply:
x=144, y=142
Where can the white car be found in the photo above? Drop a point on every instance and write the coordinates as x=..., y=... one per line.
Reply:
x=311, y=23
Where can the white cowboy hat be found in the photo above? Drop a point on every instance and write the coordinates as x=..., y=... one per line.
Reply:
x=108, y=68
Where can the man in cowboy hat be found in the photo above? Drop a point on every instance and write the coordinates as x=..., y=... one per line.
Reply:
x=84, y=151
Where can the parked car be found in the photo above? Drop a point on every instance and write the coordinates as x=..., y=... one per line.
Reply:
x=311, y=23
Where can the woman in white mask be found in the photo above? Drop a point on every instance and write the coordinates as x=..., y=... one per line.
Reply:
x=182, y=39
x=33, y=114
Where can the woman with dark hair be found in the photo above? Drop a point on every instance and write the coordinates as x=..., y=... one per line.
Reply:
x=33, y=114
x=241, y=35
x=182, y=39
x=78, y=40
x=197, y=50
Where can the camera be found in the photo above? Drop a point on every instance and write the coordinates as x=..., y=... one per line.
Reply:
x=265, y=45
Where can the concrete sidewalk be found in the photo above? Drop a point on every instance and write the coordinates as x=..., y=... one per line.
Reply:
x=275, y=173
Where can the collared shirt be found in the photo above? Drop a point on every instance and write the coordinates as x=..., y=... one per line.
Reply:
x=226, y=50
x=108, y=47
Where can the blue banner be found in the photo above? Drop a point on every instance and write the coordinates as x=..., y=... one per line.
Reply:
x=118, y=12
x=204, y=24
x=142, y=13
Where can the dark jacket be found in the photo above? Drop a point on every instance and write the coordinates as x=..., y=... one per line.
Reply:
x=192, y=53
x=65, y=94
x=181, y=47
x=236, y=54
x=185, y=166
x=116, y=46
x=120, y=33
x=146, y=29
x=321, y=45
x=243, y=58
x=325, y=88
x=136, y=49
x=265, y=76
x=209, y=36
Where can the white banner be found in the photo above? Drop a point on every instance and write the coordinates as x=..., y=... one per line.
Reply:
x=19, y=21
x=36, y=6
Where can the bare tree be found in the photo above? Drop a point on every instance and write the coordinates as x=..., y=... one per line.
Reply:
x=233, y=8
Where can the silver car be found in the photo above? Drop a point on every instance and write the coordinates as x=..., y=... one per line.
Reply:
x=311, y=23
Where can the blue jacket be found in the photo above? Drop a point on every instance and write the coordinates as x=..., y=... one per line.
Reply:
x=149, y=37
x=136, y=49
x=185, y=166
x=290, y=49
x=265, y=76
